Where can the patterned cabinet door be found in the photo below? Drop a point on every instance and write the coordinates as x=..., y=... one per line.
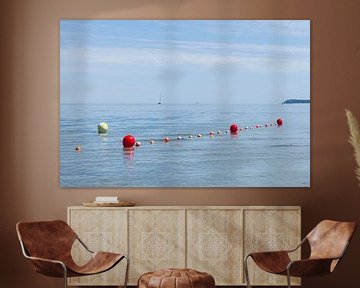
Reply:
x=214, y=244
x=101, y=230
x=156, y=240
x=270, y=230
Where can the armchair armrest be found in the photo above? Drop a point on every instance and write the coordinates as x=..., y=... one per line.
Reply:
x=48, y=267
x=298, y=246
x=280, y=252
x=83, y=244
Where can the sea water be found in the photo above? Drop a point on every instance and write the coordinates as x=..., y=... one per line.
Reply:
x=259, y=157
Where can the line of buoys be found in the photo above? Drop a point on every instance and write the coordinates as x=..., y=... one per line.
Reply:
x=234, y=129
x=130, y=141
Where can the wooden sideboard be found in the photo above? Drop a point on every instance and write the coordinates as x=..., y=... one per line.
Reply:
x=212, y=239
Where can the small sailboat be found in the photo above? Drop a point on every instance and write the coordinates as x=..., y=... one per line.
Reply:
x=159, y=99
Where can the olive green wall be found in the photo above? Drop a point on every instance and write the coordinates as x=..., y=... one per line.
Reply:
x=29, y=111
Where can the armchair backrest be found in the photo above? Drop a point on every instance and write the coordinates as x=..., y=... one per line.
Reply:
x=46, y=239
x=329, y=239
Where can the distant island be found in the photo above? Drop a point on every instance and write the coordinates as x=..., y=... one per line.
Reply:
x=296, y=101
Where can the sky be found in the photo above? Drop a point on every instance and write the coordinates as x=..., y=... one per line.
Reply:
x=186, y=61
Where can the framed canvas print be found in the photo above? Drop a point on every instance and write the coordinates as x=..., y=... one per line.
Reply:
x=184, y=103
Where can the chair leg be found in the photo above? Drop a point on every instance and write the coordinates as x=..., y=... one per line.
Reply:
x=65, y=276
x=288, y=278
x=127, y=271
x=246, y=270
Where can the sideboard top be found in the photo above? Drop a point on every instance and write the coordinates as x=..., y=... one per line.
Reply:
x=192, y=207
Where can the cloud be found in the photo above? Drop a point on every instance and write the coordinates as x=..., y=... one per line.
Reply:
x=194, y=55
x=288, y=28
x=186, y=44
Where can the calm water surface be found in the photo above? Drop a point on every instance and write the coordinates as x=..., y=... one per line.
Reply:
x=265, y=157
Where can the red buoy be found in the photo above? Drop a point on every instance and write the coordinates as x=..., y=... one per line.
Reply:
x=234, y=128
x=279, y=121
x=128, y=141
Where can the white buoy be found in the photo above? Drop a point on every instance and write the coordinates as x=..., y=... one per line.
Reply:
x=137, y=143
x=227, y=131
x=152, y=142
x=179, y=137
x=103, y=128
x=190, y=136
x=199, y=135
x=211, y=133
x=218, y=132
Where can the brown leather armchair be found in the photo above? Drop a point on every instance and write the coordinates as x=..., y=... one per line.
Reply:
x=328, y=242
x=48, y=245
